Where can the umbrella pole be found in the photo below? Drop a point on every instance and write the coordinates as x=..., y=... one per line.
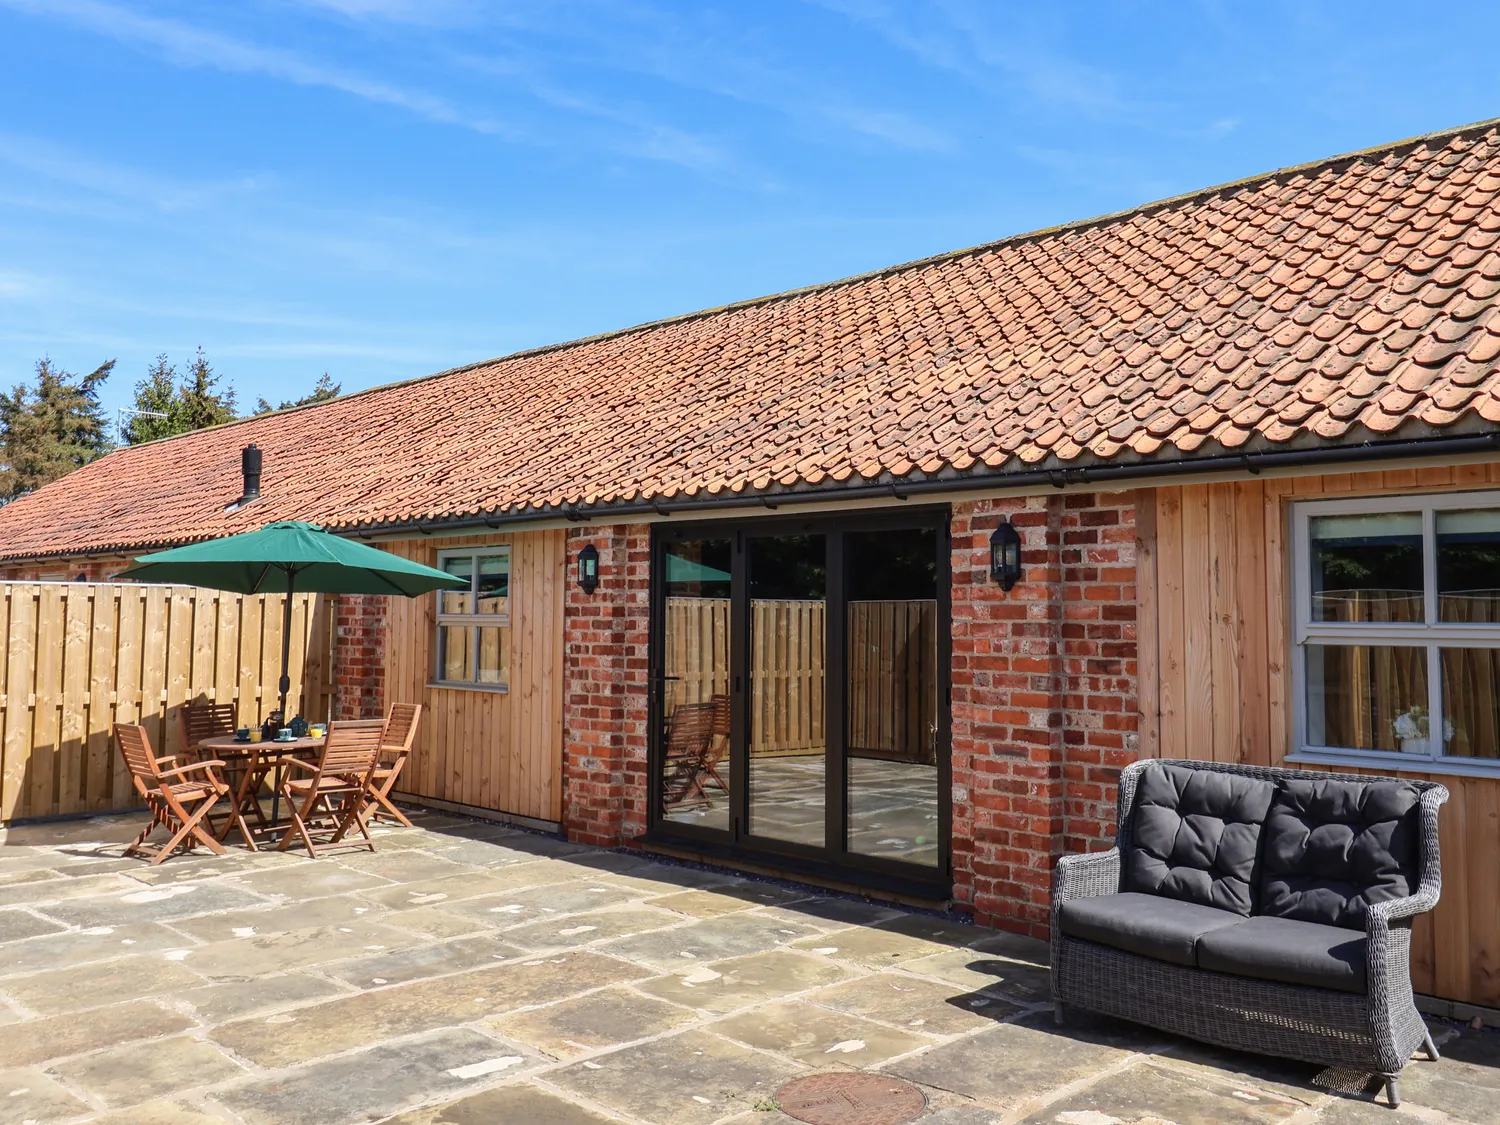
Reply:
x=286, y=643
x=286, y=680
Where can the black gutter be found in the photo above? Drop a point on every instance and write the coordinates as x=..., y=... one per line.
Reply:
x=1252, y=463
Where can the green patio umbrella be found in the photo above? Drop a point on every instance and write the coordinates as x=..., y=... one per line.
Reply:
x=286, y=558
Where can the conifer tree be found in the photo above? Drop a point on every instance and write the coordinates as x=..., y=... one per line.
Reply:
x=191, y=403
x=48, y=430
x=323, y=390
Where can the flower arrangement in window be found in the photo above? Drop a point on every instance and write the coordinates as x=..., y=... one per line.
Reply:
x=1411, y=727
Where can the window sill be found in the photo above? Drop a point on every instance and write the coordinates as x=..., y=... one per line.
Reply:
x=1397, y=763
x=458, y=685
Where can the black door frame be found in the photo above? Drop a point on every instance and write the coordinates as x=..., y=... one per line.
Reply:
x=833, y=860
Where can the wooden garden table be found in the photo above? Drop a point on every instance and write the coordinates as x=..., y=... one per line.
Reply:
x=259, y=759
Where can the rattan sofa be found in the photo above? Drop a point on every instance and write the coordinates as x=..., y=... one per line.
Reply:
x=1261, y=909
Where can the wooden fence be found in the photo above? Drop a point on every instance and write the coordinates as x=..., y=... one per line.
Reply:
x=81, y=657
x=892, y=690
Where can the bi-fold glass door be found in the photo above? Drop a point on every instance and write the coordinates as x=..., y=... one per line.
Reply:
x=800, y=702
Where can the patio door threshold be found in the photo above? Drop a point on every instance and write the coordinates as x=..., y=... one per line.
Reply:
x=845, y=880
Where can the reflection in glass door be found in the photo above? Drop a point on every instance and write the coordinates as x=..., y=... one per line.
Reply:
x=696, y=778
x=788, y=749
x=800, y=704
x=891, y=694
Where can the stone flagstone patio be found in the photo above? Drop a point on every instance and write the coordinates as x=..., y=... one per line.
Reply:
x=472, y=974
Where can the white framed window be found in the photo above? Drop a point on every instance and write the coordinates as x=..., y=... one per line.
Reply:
x=473, y=626
x=1396, y=613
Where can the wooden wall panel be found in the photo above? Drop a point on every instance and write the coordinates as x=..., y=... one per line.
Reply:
x=1214, y=580
x=81, y=657
x=487, y=749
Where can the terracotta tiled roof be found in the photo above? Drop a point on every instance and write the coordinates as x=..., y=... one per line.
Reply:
x=1342, y=302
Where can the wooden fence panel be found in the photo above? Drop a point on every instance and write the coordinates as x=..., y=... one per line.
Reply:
x=892, y=690
x=82, y=656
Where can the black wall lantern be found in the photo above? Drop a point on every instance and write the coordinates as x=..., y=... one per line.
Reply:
x=588, y=568
x=1005, y=556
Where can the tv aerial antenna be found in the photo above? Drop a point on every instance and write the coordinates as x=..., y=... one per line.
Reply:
x=123, y=414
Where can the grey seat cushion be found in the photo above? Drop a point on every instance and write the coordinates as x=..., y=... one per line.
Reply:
x=1331, y=848
x=1195, y=836
x=1291, y=952
x=1162, y=928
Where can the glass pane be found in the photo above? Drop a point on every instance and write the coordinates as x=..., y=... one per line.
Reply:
x=456, y=652
x=492, y=667
x=457, y=601
x=892, y=693
x=1471, y=702
x=494, y=584
x=1367, y=567
x=1367, y=697
x=1468, y=565
x=695, y=694
x=788, y=626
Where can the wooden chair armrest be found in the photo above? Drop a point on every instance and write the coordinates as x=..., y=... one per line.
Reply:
x=191, y=767
x=310, y=767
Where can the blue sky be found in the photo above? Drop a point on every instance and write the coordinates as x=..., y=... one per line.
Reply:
x=383, y=188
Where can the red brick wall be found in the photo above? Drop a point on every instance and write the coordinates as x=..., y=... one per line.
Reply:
x=359, y=656
x=1044, y=713
x=606, y=690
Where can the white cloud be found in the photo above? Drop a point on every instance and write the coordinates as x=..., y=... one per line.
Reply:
x=189, y=46
x=51, y=162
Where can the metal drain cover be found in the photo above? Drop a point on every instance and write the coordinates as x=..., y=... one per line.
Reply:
x=851, y=1098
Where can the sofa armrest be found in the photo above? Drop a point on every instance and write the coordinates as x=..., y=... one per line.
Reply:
x=1380, y=915
x=1085, y=875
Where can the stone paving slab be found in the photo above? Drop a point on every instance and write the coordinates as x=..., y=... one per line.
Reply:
x=236, y=999
x=92, y=986
x=819, y=1037
x=386, y=1013
x=376, y=1082
x=914, y=1004
x=693, y=1078
x=505, y=1104
x=269, y=918
x=422, y=961
x=151, y=904
x=732, y=935
x=259, y=955
x=575, y=929
x=84, y=947
x=467, y=973
x=1147, y=1091
x=1010, y=1064
x=53, y=1037
x=470, y=884
x=34, y=1096
x=16, y=924
x=137, y=1072
x=585, y=1024
x=724, y=986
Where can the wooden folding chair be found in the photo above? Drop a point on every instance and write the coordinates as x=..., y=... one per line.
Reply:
x=177, y=804
x=198, y=721
x=697, y=740
x=395, y=747
x=331, y=799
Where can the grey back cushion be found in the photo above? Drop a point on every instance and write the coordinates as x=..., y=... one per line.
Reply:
x=1195, y=836
x=1334, y=847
